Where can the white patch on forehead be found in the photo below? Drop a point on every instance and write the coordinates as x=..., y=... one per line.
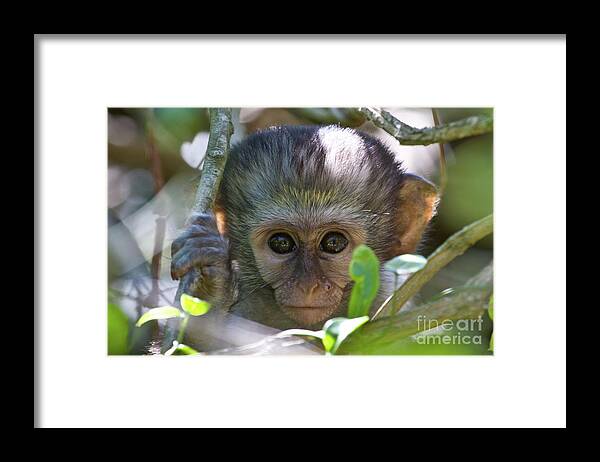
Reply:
x=344, y=149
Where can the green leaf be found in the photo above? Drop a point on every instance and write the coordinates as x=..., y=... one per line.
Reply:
x=193, y=305
x=337, y=329
x=329, y=341
x=180, y=349
x=364, y=271
x=309, y=333
x=406, y=264
x=164, y=312
x=118, y=330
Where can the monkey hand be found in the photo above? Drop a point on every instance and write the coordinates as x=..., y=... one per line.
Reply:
x=200, y=257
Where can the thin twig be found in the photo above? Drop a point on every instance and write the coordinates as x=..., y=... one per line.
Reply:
x=159, y=182
x=159, y=233
x=443, y=173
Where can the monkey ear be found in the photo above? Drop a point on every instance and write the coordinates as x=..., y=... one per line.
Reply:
x=418, y=202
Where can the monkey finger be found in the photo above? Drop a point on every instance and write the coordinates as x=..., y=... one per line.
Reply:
x=196, y=232
x=201, y=230
x=176, y=246
x=207, y=241
x=189, y=258
x=194, y=240
x=185, y=244
x=190, y=233
x=207, y=220
x=200, y=243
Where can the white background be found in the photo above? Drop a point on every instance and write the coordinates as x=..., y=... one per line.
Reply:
x=522, y=385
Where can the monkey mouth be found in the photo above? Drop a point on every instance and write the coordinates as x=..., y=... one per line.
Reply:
x=308, y=316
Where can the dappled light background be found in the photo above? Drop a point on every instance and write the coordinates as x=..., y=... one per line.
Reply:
x=148, y=199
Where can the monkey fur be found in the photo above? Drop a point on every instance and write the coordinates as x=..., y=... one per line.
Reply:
x=293, y=203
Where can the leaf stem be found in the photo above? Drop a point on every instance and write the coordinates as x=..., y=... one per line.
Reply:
x=182, y=328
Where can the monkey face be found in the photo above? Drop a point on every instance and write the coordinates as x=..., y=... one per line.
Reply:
x=297, y=201
x=306, y=266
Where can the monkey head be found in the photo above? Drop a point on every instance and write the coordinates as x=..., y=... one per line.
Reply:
x=297, y=200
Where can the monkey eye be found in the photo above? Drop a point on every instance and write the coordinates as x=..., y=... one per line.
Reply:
x=282, y=243
x=333, y=242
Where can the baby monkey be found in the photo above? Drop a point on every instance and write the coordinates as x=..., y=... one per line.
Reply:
x=293, y=204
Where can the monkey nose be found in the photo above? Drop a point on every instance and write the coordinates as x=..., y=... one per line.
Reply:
x=308, y=287
x=311, y=287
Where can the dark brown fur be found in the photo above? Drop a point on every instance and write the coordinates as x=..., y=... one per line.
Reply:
x=305, y=181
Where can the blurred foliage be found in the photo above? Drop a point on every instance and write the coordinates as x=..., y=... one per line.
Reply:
x=491, y=315
x=118, y=331
x=433, y=344
x=191, y=306
x=451, y=114
x=468, y=197
x=469, y=192
x=172, y=127
x=182, y=123
x=322, y=115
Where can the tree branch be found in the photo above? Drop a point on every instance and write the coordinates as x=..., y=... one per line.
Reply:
x=407, y=135
x=221, y=129
x=454, y=246
x=159, y=182
x=443, y=169
x=159, y=233
x=379, y=337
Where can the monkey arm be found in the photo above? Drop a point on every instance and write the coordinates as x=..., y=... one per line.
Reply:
x=203, y=252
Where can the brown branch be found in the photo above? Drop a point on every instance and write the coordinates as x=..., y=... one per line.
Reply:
x=407, y=135
x=159, y=234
